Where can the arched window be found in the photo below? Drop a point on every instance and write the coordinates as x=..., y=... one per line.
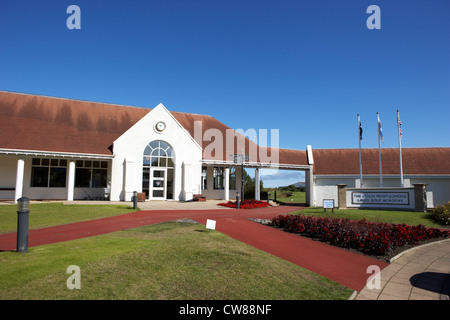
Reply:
x=159, y=153
x=158, y=170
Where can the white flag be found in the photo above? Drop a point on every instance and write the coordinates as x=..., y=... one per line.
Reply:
x=380, y=130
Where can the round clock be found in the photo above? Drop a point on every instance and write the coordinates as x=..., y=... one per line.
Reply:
x=160, y=126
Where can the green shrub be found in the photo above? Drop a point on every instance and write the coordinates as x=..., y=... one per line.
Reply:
x=441, y=214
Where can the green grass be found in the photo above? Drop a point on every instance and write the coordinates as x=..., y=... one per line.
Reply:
x=164, y=261
x=297, y=196
x=51, y=214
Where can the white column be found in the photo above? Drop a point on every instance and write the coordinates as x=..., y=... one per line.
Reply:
x=19, y=179
x=226, y=186
x=129, y=179
x=71, y=182
x=309, y=184
x=188, y=193
x=257, y=189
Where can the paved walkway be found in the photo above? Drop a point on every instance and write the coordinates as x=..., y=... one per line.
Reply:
x=421, y=273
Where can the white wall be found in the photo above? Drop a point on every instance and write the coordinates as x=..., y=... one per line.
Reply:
x=438, y=188
x=326, y=188
x=126, y=175
x=8, y=168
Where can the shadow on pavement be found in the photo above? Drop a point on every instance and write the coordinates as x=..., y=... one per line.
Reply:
x=432, y=281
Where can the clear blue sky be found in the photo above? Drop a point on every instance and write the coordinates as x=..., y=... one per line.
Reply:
x=306, y=68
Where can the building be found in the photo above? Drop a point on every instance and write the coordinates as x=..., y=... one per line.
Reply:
x=55, y=148
x=429, y=166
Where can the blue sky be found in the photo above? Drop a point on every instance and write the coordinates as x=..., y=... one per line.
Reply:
x=306, y=68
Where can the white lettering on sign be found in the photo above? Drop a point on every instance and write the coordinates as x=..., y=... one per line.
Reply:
x=380, y=198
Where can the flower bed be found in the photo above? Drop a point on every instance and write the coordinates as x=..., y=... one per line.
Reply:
x=246, y=204
x=368, y=237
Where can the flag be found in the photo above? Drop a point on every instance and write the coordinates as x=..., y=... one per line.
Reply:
x=360, y=164
x=360, y=128
x=380, y=130
x=399, y=123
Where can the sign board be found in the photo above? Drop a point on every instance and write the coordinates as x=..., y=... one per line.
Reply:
x=398, y=198
x=239, y=158
x=211, y=224
x=328, y=203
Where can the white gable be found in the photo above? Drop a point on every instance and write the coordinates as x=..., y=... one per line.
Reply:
x=128, y=149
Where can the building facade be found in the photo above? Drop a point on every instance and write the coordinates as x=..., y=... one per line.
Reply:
x=63, y=149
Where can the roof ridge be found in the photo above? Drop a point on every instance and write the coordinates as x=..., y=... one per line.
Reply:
x=72, y=99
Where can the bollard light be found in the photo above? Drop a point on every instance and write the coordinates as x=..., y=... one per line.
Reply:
x=23, y=210
x=134, y=199
x=238, y=205
x=23, y=204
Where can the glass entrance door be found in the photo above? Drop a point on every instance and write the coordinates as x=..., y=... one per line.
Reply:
x=158, y=184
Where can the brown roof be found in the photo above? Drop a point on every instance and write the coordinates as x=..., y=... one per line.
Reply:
x=415, y=161
x=32, y=122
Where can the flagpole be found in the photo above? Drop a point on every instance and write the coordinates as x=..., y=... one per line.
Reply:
x=400, y=147
x=360, y=164
x=379, y=149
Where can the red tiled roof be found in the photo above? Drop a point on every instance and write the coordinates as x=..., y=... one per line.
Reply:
x=415, y=161
x=32, y=122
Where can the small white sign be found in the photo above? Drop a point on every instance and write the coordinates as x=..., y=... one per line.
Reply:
x=211, y=224
x=328, y=203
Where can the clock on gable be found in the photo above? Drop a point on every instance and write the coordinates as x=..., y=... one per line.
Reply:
x=160, y=126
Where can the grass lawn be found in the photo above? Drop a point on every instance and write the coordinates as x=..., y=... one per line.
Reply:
x=51, y=214
x=164, y=261
x=297, y=196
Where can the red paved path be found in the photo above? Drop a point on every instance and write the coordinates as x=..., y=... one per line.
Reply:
x=342, y=266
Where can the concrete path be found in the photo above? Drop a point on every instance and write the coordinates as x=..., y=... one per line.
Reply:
x=420, y=273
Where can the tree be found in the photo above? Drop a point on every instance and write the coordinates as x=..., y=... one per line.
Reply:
x=249, y=186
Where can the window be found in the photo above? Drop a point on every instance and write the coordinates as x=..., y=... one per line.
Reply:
x=232, y=178
x=218, y=178
x=159, y=154
x=48, y=173
x=91, y=174
x=204, y=181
